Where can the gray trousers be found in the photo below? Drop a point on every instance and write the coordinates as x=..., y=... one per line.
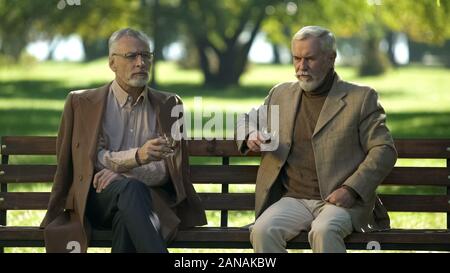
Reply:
x=327, y=225
x=125, y=206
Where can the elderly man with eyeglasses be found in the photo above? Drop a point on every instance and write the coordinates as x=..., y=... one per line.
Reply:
x=115, y=167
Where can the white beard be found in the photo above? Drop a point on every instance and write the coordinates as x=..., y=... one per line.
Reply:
x=309, y=86
x=138, y=82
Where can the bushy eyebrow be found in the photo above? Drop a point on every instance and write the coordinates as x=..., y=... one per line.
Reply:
x=308, y=56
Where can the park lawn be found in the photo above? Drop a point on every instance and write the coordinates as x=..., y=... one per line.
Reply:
x=416, y=100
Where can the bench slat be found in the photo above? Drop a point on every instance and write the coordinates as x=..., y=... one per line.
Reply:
x=416, y=203
x=415, y=176
x=212, y=201
x=28, y=145
x=214, y=237
x=27, y=173
x=24, y=200
x=215, y=148
x=244, y=174
x=407, y=148
x=423, y=148
x=233, y=174
x=241, y=201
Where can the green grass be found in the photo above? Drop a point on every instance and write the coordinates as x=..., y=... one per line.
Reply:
x=416, y=99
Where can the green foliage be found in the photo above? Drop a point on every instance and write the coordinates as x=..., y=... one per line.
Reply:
x=424, y=21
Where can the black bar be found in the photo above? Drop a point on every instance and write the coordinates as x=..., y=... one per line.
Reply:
x=448, y=191
x=3, y=188
x=224, y=213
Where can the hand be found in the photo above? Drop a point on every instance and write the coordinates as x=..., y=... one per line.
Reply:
x=103, y=178
x=254, y=141
x=153, y=150
x=341, y=198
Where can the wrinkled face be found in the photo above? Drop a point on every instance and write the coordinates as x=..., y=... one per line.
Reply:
x=311, y=63
x=130, y=70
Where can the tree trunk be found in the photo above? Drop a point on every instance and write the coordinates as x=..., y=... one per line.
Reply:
x=14, y=47
x=156, y=43
x=276, y=54
x=391, y=39
x=95, y=49
x=233, y=60
x=223, y=66
x=202, y=46
x=374, y=61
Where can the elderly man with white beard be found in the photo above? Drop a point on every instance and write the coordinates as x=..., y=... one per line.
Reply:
x=334, y=149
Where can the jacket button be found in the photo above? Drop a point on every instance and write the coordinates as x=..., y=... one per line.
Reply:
x=77, y=145
x=81, y=178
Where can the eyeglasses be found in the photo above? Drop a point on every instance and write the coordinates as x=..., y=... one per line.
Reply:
x=131, y=56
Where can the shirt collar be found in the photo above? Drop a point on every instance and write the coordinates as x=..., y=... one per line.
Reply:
x=122, y=96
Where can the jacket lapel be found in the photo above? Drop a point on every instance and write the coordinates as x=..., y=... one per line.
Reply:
x=290, y=111
x=332, y=106
x=92, y=108
x=163, y=108
x=157, y=104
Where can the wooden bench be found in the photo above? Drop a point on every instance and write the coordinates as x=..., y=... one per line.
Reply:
x=226, y=174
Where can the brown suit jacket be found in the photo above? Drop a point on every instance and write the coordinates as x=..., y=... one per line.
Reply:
x=176, y=203
x=351, y=143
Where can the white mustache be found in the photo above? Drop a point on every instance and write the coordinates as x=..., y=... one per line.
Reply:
x=302, y=73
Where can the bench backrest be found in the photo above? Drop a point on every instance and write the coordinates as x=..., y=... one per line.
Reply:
x=225, y=172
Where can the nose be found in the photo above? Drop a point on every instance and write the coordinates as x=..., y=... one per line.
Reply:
x=302, y=64
x=140, y=60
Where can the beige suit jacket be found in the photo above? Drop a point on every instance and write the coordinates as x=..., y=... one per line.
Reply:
x=351, y=143
x=176, y=203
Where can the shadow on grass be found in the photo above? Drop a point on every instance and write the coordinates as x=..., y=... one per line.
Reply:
x=38, y=89
x=44, y=89
x=236, y=92
x=39, y=122
x=419, y=125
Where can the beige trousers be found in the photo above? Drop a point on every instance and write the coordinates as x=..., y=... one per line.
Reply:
x=327, y=224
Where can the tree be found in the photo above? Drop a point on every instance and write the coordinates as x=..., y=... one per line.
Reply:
x=223, y=32
x=25, y=21
x=160, y=19
x=19, y=23
x=344, y=18
x=371, y=20
x=425, y=21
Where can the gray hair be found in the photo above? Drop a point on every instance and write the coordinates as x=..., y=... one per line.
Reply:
x=327, y=40
x=126, y=32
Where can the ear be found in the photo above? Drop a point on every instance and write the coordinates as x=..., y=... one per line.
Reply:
x=332, y=58
x=112, y=64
